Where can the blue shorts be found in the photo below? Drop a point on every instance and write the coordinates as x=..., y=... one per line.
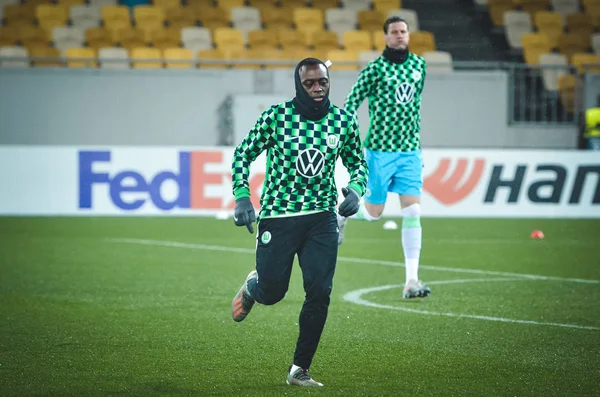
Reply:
x=397, y=172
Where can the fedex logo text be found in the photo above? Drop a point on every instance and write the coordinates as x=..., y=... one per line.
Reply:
x=129, y=189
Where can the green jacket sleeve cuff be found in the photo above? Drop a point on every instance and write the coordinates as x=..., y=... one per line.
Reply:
x=241, y=193
x=356, y=187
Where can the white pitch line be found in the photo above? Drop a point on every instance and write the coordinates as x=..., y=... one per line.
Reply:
x=356, y=297
x=175, y=244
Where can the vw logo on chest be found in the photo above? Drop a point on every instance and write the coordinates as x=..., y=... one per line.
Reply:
x=310, y=163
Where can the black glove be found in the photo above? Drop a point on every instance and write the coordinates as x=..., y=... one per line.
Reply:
x=350, y=204
x=244, y=213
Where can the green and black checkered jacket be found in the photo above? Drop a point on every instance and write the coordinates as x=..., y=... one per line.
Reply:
x=394, y=92
x=301, y=160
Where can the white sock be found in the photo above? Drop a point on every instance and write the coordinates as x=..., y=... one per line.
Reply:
x=363, y=214
x=294, y=368
x=411, y=240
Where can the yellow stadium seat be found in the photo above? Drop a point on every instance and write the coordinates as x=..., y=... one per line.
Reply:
x=211, y=17
x=323, y=38
x=50, y=16
x=573, y=43
x=208, y=58
x=262, y=39
x=534, y=45
x=267, y=54
x=180, y=17
x=378, y=40
x=289, y=37
x=386, y=5
x=308, y=19
x=81, y=57
x=533, y=6
x=19, y=14
x=152, y=55
x=295, y=53
x=551, y=24
x=44, y=52
x=580, y=23
x=167, y=4
x=9, y=35
x=497, y=8
x=594, y=12
x=227, y=5
x=227, y=37
x=260, y=4
x=39, y=2
x=371, y=20
x=293, y=3
x=200, y=3
x=115, y=17
x=277, y=17
x=586, y=62
x=339, y=56
x=171, y=57
x=148, y=16
x=244, y=55
x=30, y=35
x=566, y=89
x=324, y=4
x=129, y=38
x=357, y=40
x=421, y=42
x=165, y=38
x=95, y=35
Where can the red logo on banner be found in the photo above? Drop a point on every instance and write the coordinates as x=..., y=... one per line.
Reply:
x=445, y=188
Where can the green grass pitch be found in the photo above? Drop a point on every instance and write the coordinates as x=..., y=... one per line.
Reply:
x=141, y=307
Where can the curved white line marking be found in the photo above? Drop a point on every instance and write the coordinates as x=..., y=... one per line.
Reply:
x=175, y=244
x=356, y=297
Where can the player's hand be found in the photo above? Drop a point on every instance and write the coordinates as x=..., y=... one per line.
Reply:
x=350, y=204
x=244, y=213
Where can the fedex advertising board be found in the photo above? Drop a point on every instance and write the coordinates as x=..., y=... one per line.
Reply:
x=197, y=181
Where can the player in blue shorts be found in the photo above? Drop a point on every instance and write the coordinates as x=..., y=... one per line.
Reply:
x=393, y=84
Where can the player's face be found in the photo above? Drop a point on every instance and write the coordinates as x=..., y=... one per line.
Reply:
x=397, y=36
x=315, y=81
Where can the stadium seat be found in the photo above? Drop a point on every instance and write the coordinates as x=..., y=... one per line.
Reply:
x=410, y=16
x=277, y=17
x=175, y=58
x=165, y=38
x=580, y=22
x=115, y=17
x=85, y=16
x=260, y=4
x=67, y=37
x=246, y=19
x=69, y=3
x=534, y=44
x=146, y=15
x=594, y=12
x=371, y=20
x=324, y=5
x=98, y=38
x=289, y=38
x=385, y=5
x=81, y=57
x=551, y=24
x=293, y=3
x=228, y=5
x=227, y=37
x=438, y=61
x=199, y=3
x=497, y=8
x=421, y=42
x=378, y=40
x=266, y=54
x=573, y=43
x=596, y=43
x=295, y=54
x=102, y=3
x=167, y=4
x=180, y=17
x=566, y=89
x=9, y=36
x=339, y=56
x=553, y=66
x=129, y=38
x=356, y=5
x=18, y=14
x=322, y=39
x=586, y=62
x=196, y=39
x=50, y=16
x=45, y=52
x=113, y=58
x=516, y=24
x=589, y=3
x=31, y=36
x=308, y=19
x=339, y=20
x=211, y=17
x=14, y=52
x=357, y=40
x=533, y=6
x=565, y=7
x=208, y=59
x=262, y=39
x=146, y=58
